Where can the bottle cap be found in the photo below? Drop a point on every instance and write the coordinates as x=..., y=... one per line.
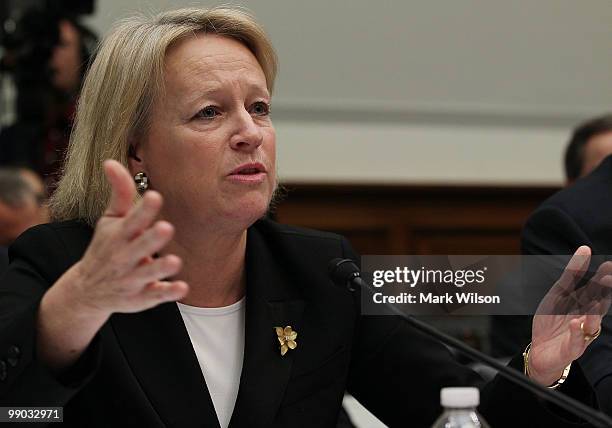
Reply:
x=459, y=397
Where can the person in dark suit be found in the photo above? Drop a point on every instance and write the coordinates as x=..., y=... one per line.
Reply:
x=589, y=144
x=579, y=215
x=182, y=306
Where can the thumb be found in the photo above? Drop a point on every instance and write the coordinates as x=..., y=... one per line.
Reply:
x=122, y=189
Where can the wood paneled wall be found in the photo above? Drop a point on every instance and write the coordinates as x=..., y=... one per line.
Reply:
x=415, y=219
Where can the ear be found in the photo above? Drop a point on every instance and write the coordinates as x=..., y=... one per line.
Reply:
x=135, y=162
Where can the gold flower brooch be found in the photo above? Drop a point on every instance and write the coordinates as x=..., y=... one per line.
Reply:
x=286, y=338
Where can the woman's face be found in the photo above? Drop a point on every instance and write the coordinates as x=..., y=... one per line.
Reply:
x=66, y=59
x=210, y=149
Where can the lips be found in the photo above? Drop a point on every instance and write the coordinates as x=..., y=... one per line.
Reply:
x=253, y=173
x=249, y=169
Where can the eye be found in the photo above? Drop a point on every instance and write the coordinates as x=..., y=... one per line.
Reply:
x=260, y=108
x=208, y=112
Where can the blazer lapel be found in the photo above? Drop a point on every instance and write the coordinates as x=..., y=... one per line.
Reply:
x=159, y=352
x=271, y=302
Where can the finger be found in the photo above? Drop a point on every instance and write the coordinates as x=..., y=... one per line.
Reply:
x=605, y=269
x=599, y=286
x=576, y=343
x=145, y=260
x=563, y=298
x=574, y=270
x=122, y=188
x=165, y=291
x=600, y=277
x=591, y=323
x=606, y=296
x=142, y=215
x=158, y=269
x=149, y=242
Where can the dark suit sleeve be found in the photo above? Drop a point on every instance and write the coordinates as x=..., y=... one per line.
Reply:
x=38, y=258
x=397, y=373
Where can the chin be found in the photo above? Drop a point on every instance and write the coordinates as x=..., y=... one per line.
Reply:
x=248, y=210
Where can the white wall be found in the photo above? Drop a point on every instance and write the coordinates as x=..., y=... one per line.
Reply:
x=466, y=91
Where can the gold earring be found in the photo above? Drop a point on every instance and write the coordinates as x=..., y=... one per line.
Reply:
x=142, y=182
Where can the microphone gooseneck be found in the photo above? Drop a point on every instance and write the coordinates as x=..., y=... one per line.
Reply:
x=346, y=274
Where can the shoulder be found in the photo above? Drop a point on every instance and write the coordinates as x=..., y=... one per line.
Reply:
x=300, y=239
x=577, y=215
x=65, y=232
x=587, y=193
x=291, y=242
x=586, y=203
x=61, y=243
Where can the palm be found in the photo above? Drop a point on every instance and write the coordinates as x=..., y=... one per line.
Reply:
x=557, y=336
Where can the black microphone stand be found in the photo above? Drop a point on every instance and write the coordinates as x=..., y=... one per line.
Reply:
x=349, y=276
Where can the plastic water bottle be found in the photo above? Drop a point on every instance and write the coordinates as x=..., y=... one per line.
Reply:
x=460, y=409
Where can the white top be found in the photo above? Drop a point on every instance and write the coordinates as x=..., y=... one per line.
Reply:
x=217, y=336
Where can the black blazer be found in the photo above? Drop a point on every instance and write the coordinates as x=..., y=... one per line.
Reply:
x=141, y=369
x=579, y=215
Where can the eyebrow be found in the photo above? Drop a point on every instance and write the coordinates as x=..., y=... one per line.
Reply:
x=213, y=89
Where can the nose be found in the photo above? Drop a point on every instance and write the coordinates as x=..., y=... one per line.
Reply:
x=247, y=136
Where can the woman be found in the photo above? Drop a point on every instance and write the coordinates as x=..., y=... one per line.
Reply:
x=183, y=103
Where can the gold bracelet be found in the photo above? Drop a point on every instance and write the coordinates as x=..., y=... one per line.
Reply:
x=526, y=369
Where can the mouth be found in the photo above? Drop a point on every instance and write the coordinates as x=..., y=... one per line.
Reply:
x=252, y=173
x=249, y=169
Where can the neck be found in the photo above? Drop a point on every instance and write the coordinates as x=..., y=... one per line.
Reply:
x=213, y=266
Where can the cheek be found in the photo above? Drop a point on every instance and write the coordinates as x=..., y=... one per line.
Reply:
x=271, y=147
x=190, y=164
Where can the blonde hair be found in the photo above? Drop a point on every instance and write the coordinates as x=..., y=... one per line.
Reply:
x=120, y=88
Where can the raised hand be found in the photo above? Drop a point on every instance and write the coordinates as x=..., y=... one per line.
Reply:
x=568, y=319
x=117, y=273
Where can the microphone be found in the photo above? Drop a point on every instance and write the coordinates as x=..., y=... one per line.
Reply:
x=345, y=273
